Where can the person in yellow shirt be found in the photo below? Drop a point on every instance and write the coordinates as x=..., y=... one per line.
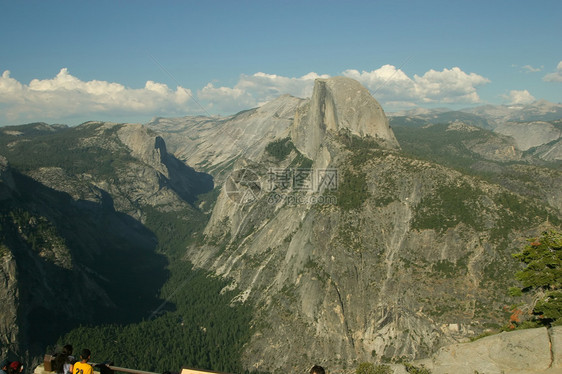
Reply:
x=83, y=367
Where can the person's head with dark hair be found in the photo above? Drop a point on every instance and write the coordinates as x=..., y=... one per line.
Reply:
x=4, y=365
x=316, y=369
x=15, y=367
x=63, y=358
x=67, y=350
x=85, y=355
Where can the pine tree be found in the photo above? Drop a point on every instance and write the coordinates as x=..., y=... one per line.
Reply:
x=543, y=275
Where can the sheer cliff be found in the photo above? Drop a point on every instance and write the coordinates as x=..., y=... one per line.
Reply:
x=213, y=143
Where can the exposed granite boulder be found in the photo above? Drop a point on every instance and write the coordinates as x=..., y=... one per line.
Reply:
x=529, y=351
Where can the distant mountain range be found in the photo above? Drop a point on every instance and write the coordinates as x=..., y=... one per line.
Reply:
x=487, y=116
x=536, y=127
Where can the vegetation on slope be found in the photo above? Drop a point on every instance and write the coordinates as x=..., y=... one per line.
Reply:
x=64, y=148
x=435, y=143
x=197, y=325
x=542, y=276
x=280, y=148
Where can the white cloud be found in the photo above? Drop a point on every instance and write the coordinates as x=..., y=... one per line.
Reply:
x=228, y=100
x=255, y=90
x=556, y=76
x=388, y=84
x=269, y=86
x=65, y=96
x=515, y=97
x=530, y=69
x=448, y=86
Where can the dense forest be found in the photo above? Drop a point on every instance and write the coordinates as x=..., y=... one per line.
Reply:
x=197, y=325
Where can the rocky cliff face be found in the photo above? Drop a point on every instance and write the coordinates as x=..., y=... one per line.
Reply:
x=9, y=288
x=402, y=257
x=397, y=277
x=339, y=103
x=530, y=134
x=212, y=144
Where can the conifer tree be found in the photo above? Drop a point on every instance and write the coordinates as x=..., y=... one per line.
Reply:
x=543, y=275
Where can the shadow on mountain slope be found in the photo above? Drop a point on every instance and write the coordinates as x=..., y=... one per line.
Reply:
x=76, y=262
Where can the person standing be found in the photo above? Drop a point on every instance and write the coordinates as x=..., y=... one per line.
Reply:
x=15, y=367
x=64, y=361
x=4, y=367
x=82, y=367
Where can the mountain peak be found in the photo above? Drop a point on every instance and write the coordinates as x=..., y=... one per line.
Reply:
x=339, y=103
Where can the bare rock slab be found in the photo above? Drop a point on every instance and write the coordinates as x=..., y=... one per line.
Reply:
x=524, y=351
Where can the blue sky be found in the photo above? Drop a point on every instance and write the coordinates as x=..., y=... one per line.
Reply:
x=123, y=61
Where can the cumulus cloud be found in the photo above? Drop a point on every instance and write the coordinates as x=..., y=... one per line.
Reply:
x=515, y=97
x=447, y=86
x=388, y=84
x=268, y=86
x=254, y=90
x=226, y=99
x=556, y=76
x=66, y=96
x=531, y=69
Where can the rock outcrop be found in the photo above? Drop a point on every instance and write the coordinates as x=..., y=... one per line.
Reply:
x=339, y=103
x=212, y=143
x=529, y=351
x=530, y=134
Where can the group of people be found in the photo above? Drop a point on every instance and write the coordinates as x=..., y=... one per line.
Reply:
x=64, y=363
x=11, y=367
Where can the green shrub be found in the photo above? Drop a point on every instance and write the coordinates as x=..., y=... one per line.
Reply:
x=280, y=148
x=416, y=369
x=369, y=368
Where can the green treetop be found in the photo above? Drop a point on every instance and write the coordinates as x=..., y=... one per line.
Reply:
x=543, y=274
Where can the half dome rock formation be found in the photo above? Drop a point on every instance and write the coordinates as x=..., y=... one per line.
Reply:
x=339, y=103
